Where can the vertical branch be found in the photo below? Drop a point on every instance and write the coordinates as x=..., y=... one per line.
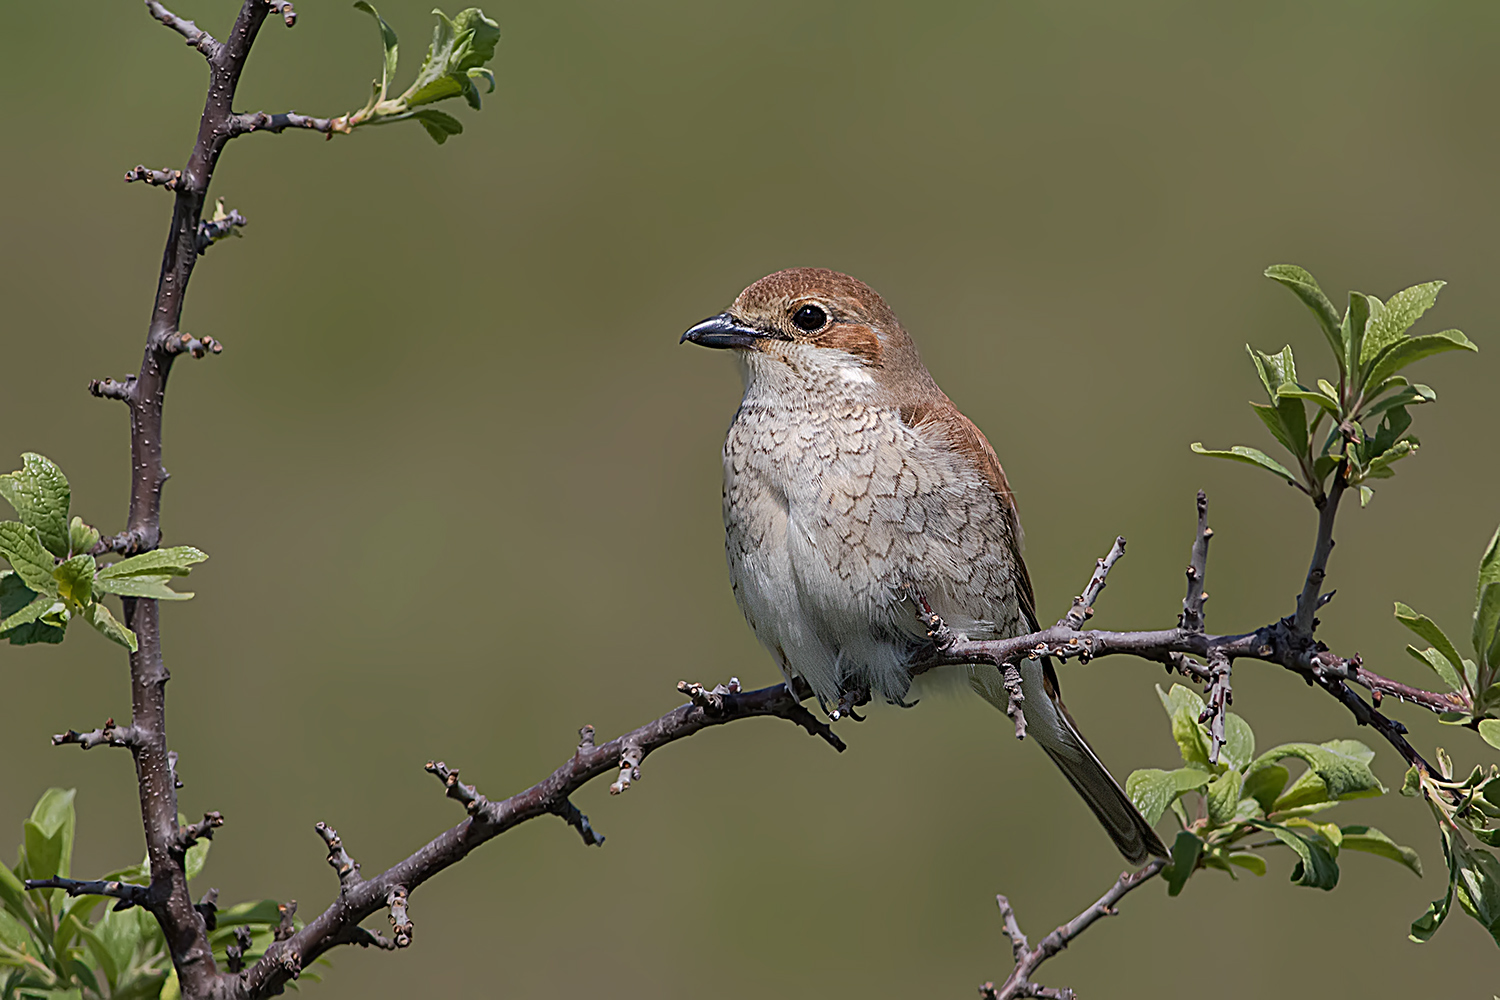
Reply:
x=1328, y=510
x=169, y=902
x=1197, y=571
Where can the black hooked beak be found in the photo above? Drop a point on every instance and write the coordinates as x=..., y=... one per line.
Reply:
x=724, y=330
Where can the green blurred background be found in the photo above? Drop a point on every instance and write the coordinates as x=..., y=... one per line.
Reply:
x=461, y=484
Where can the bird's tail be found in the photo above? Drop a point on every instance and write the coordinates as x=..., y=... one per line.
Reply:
x=1049, y=723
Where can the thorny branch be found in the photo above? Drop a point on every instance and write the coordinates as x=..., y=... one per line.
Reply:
x=1289, y=643
x=1019, y=983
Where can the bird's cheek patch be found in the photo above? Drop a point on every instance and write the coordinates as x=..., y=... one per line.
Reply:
x=853, y=338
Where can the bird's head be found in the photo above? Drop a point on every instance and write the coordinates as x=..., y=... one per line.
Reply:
x=817, y=324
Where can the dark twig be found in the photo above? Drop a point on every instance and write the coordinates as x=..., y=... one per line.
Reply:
x=110, y=735
x=1217, y=703
x=260, y=121
x=578, y=821
x=1083, y=605
x=208, y=909
x=156, y=178
x=1328, y=511
x=204, y=829
x=401, y=926
x=1019, y=983
x=222, y=226
x=1011, y=677
x=1197, y=572
x=287, y=927
x=195, y=36
x=186, y=343
x=458, y=791
x=108, y=388
x=631, y=755
x=128, y=893
x=488, y=820
x=338, y=858
x=235, y=951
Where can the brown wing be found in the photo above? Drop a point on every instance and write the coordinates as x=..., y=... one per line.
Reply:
x=967, y=439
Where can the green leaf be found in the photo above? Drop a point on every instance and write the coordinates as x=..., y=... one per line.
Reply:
x=75, y=580
x=12, y=892
x=102, y=955
x=98, y=616
x=1372, y=841
x=1316, y=868
x=438, y=124
x=1401, y=311
x=22, y=548
x=1254, y=863
x=54, y=814
x=30, y=613
x=1479, y=886
x=1490, y=730
x=1318, y=396
x=176, y=561
x=1223, y=797
x=1152, y=790
x=388, y=40
x=15, y=596
x=465, y=43
x=1362, y=311
x=154, y=587
x=1428, y=629
x=1264, y=783
x=1186, y=851
x=1340, y=770
x=1403, y=352
x=196, y=858
x=81, y=538
x=39, y=492
x=1275, y=370
x=1287, y=423
x=1306, y=288
x=1439, y=665
x=1250, y=456
x=1239, y=742
x=1184, y=707
x=44, y=852
x=1486, y=631
x=263, y=911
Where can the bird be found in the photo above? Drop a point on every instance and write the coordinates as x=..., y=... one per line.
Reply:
x=859, y=501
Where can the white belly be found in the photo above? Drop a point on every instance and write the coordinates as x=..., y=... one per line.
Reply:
x=835, y=523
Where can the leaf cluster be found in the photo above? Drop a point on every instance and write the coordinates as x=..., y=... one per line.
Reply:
x=1475, y=682
x=455, y=61
x=1245, y=796
x=54, y=577
x=53, y=946
x=1463, y=808
x=1366, y=411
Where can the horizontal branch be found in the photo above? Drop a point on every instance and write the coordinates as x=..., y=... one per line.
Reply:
x=156, y=178
x=110, y=735
x=488, y=819
x=260, y=121
x=127, y=893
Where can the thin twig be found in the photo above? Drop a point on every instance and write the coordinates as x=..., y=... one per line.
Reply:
x=109, y=735
x=1027, y=959
x=338, y=858
x=1197, y=572
x=127, y=893
x=1083, y=605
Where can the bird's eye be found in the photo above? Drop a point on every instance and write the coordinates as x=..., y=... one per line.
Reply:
x=810, y=319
